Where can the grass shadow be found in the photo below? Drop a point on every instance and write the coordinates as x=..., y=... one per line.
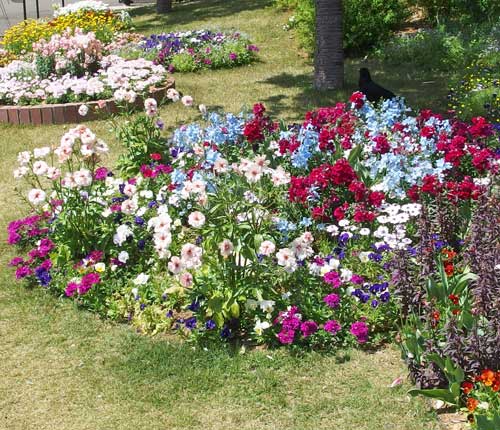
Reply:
x=184, y=13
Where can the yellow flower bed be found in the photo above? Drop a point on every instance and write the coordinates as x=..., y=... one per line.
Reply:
x=19, y=38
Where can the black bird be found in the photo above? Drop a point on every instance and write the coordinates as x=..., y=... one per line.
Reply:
x=370, y=89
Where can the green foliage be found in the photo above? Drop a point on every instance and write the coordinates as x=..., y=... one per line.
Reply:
x=366, y=23
x=454, y=375
x=464, y=11
x=477, y=93
x=183, y=63
x=141, y=138
x=445, y=48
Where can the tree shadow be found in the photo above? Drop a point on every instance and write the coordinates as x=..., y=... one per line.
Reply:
x=184, y=13
x=420, y=90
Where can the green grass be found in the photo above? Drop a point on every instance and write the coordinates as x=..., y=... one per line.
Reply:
x=63, y=368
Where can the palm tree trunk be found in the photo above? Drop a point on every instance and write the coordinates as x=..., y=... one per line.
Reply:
x=163, y=6
x=329, y=57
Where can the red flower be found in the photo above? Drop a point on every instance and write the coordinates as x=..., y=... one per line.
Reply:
x=382, y=145
x=375, y=198
x=467, y=387
x=156, y=156
x=258, y=109
x=358, y=98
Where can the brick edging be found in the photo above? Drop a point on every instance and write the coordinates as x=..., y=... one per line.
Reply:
x=66, y=113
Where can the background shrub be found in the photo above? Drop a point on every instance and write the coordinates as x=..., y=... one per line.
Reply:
x=464, y=11
x=366, y=23
x=447, y=48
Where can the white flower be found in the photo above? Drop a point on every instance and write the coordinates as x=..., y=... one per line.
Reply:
x=260, y=327
x=301, y=249
x=123, y=257
x=83, y=110
x=196, y=219
x=343, y=223
x=41, y=152
x=82, y=178
x=122, y=233
x=252, y=304
x=287, y=259
x=364, y=256
x=267, y=305
x=175, y=265
x=129, y=189
x=226, y=248
x=333, y=230
x=186, y=279
x=141, y=279
x=36, y=196
x=267, y=248
x=364, y=231
x=24, y=157
x=19, y=173
x=280, y=176
x=53, y=173
x=202, y=109
x=253, y=173
x=190, y=255
x=220, y=165
x=187, y=101
x=345, y=275
x=173, y=94
x=129, y=206
x=100, y=267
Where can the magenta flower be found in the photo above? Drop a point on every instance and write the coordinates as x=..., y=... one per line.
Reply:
x=23, y=271
x=308, y=328
x=333, y=279
x=332, y=326
x=101, y=173
x=233, y=56
x=16, y=261
x=332, y=300
x=357, y=279
x=286, y=336
x=360, y=330
x=71, y=289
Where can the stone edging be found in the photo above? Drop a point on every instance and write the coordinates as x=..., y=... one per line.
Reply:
x=68, y=112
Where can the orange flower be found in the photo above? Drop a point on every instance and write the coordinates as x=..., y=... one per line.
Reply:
x=449, y=254
x=435, y=315
x=472, y=404
x=487, y=377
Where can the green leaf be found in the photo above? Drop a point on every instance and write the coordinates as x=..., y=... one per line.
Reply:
x=483, y=423
x=434, y=393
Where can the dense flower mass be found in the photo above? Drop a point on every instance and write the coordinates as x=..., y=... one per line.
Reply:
x=72, y=68
x=203, y=49
x=244, y=227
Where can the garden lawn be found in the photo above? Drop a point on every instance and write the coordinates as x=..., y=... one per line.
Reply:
x=62, y=368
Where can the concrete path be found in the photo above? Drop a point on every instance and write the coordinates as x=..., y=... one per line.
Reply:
x=11, y=11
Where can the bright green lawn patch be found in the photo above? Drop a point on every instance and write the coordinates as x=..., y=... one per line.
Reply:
x=65, y=369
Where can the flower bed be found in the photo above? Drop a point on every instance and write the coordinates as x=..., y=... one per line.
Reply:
x=71, y=68
x=75, y=112
x=204, y=49
x=340, y=231
x=89, y=16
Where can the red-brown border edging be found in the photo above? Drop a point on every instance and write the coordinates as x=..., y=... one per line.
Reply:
x=67, y=113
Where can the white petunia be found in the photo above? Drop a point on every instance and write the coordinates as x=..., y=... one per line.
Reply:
x=36, y=196
x=141, y=279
